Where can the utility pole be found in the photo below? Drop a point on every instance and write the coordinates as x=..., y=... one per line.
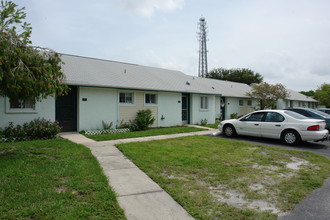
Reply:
x=201, y=36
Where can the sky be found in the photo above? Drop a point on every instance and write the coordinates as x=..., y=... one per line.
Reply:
x=286, y=41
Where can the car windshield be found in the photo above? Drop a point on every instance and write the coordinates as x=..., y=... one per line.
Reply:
x=295, y=115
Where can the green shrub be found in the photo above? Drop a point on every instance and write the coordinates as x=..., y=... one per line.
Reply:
x=1, y=133
x=143, y=120
x=123, y=124
x=203, y=121
x=39, y=128
x=106, y=125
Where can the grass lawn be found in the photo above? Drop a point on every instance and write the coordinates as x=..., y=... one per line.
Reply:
x=149, y=132
x=215, y=125
x=216, y=178
x=53, y=179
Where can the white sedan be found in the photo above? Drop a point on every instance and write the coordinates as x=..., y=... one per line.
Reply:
x=289, y=126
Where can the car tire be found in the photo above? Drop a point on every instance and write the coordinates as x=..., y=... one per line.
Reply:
x=291, y=137
x=229, y=131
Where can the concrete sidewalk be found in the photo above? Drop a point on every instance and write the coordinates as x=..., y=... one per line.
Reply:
x=137, y=194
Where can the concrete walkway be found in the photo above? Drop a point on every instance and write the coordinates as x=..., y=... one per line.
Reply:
x=137, y=194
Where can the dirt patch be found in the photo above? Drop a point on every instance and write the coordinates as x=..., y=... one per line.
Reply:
x=65, y=188
x=267, y=168
x=61, y=189
x=237, y=199
x=256, y=187
x=273, y=175
x=296, y=163
x=76, y=193
x=167, y=175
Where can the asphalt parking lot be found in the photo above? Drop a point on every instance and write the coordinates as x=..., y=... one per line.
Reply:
x=322, y=148
x=315, y=206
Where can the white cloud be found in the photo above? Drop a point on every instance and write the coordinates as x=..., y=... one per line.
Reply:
x=147, y=8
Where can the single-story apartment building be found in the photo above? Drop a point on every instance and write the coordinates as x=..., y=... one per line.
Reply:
x=296, y=99
x=103, y=90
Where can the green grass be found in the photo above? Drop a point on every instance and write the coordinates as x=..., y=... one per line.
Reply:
x=53, y=179
x=149, y=132
x=215, y=125
x=202, y=172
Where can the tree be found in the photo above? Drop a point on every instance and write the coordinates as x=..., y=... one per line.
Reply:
x=26, y=71
x=322, y=94
x=236, y=75
x=309, y=93
x=268, y=94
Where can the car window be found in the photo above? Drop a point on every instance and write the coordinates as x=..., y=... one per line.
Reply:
x=274, y=117
x=254, y=117
x=319, y=113
x=303, y=112
x=295, y=115
x=316, y=115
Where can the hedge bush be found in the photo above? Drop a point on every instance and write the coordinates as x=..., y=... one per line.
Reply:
x=39, y=128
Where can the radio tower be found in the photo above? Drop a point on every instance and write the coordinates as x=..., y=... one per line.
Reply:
x=201, y=36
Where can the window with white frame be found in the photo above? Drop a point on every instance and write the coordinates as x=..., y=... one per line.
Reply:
x=150, y=98
x=204, y=102
x=249, y=102
x=22, y=104
x=126, y=97
x=241, y=102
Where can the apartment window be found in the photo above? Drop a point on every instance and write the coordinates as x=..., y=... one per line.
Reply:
x=18, y=106
x=204, y=102
x=249, y=102
x=150, y=98
x=241, y=102
x=126, y=98
x=22, y=104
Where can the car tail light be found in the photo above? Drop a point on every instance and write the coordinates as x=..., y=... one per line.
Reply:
x=313, y=128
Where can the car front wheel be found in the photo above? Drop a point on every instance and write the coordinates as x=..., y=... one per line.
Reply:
x=291, y=137
x=229, y=131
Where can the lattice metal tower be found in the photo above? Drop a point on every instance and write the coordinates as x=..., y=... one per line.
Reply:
x=201, y=36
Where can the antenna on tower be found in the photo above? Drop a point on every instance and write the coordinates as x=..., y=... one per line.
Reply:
x=201, y=36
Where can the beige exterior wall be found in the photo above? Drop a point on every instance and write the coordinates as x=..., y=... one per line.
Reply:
x=128, y=112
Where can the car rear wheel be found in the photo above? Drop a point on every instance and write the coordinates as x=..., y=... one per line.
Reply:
x=229, y=131
x=291, y=137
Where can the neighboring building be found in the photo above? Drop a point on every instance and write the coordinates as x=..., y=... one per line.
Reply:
x=233, y=98
x=103, y=90
x=297, y=99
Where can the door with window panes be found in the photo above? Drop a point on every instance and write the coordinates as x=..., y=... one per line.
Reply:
x=185, y=108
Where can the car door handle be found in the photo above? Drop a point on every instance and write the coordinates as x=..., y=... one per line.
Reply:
x=278, y=125
x=256, y=124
